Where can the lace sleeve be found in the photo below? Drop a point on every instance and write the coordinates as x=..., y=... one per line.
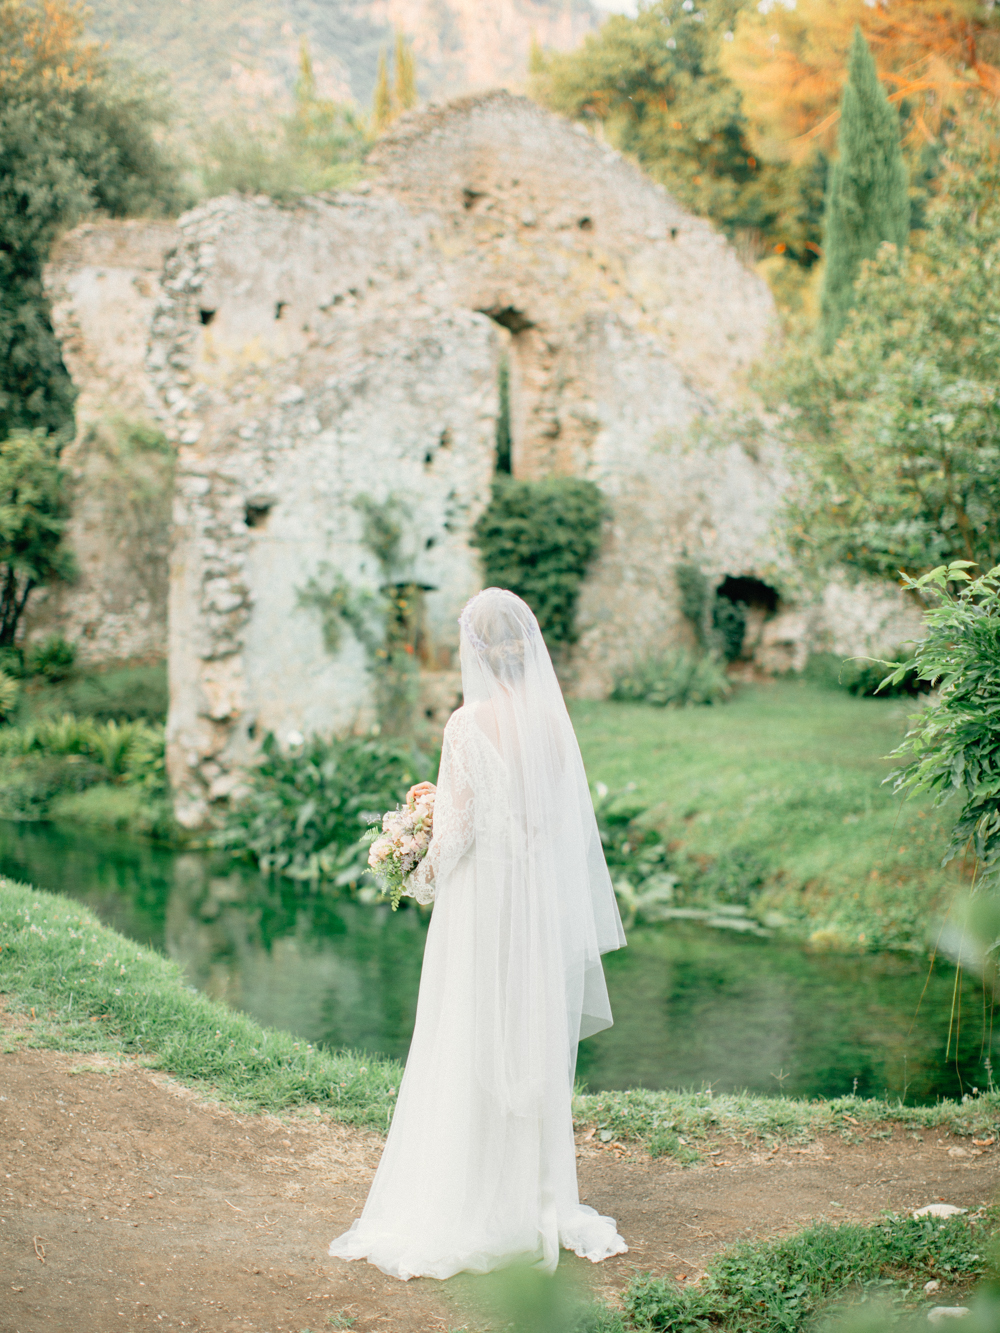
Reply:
x=454, y=817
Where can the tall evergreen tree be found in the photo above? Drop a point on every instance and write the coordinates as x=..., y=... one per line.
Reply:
x=867, y=201
x=382, y=101
x=405, y=91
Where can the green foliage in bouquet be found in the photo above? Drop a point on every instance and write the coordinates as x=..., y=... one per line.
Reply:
x=306, y=810
x=538, y=538
x=678, y=679
x=953, y=749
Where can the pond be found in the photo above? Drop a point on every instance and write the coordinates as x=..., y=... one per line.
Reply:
x=692, y=1005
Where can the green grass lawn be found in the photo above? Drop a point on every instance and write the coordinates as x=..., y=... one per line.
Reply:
x=775, y=800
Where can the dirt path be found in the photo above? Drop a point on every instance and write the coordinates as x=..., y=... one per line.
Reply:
x=156, y=1210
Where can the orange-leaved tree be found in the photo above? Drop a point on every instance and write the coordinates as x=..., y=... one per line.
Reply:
x=934, y=58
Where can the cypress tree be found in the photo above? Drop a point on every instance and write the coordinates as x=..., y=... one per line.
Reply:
x=867, y=201
x=382, y=101
x=406, y=75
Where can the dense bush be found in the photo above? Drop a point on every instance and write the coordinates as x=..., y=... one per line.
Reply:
x=54, y=659
x=34, y=511
x=729, y=621
x=127, y=693
x=307, y=808
x=538, y=539
x=45, y=762
x=862, y=676
x=953, y=748
x=678, y=679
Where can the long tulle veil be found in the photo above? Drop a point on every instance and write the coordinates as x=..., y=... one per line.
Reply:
x=540, y=869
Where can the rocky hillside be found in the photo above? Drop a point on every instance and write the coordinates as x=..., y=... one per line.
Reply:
x=215, y=50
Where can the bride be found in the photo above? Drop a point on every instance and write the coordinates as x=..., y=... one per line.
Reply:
x=479, y=1167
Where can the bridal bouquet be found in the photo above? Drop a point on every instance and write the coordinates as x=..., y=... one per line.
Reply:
x=401, y=844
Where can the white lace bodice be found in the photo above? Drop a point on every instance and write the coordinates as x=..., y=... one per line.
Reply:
x=471, y=781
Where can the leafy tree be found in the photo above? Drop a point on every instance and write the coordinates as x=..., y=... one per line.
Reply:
x=895, y=435
x=33, y=514
x=318, y=147
x=789, y=63
x=655, y=86
x=76, y=135
x=867, y=201
x=538, y=538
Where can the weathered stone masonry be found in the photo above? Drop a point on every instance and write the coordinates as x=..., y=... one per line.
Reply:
x=350, y=346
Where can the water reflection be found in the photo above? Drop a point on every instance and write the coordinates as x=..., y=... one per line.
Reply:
x=691, y=1005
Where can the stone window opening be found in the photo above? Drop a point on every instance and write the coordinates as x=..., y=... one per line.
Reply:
x=586, y=224
x=444, y=442
x=206, y=316
x=257, y=513
x=470, y=198
x=404, y=626
x=743, y=604
x=279, y=308
x=509, y=317
x=503, y=436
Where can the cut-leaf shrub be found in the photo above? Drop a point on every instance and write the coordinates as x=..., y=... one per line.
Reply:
x=538, y=538
x=54, y=659
x=678, y=679
x=307, y=808
x=861, y=676
x=952, y=750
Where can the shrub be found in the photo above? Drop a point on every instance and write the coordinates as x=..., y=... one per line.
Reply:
x=693, y=588
x=126, y=693
x=952, y=749
x=9, y=690
x=538, y=538
x=677, y=679
x=54, y=757
x=862, y=676
x=307, y=808
x=729, y=620
x=54, y=659
x=636, y=856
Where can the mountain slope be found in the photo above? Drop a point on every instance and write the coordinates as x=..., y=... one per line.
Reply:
x=218, y=51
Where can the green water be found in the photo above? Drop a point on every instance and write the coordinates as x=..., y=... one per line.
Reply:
x=692, y=1005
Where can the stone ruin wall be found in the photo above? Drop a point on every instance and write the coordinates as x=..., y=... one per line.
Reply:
x=351, y=346
x=103, y=283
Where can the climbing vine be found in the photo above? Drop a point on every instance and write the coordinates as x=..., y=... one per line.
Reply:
x=539, y=538
x=388, y=623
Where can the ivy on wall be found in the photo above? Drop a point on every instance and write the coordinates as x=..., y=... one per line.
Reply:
x=538, y=538
x=387, y=623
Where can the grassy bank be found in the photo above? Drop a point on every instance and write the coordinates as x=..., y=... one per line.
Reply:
x=774, y=801
x=83, y=987
x=767, y=1286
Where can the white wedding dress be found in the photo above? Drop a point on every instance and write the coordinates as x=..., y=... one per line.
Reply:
x=479, y=1166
